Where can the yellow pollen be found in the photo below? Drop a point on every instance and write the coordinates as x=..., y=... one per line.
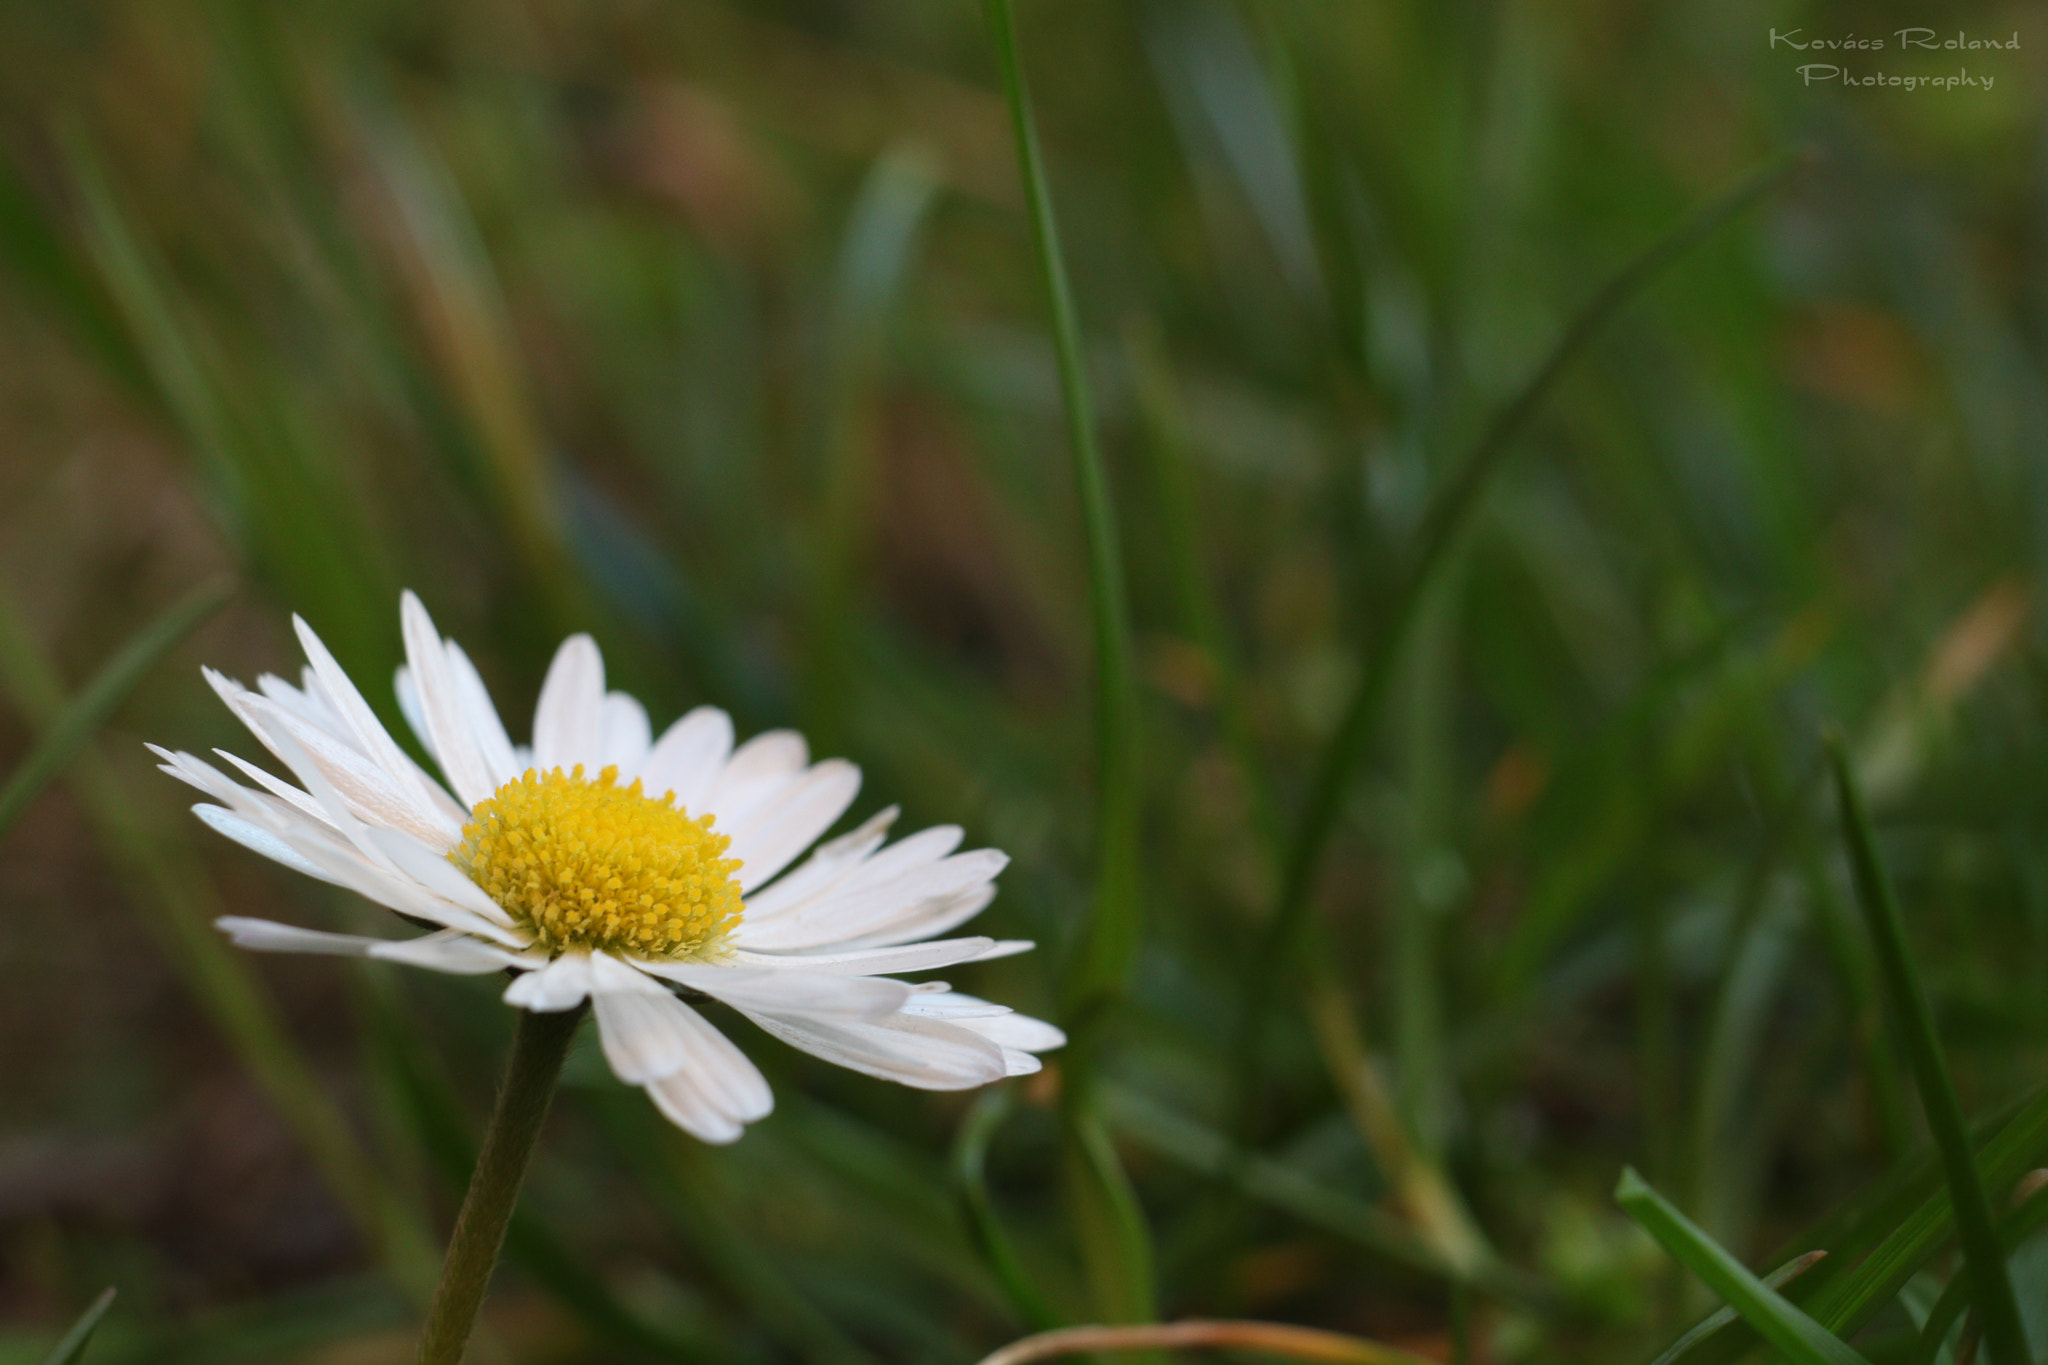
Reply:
x=586, y=864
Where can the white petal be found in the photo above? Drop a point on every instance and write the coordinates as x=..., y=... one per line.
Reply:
x=868, y=905
x=624, y=735
x=456, y=954
x=829, y=864
x=787, y=991
x=441, y=706
x=450, y=951
x=646, y=1031
x=772, y=837
x=910, y=957
x=689, y=757
x=277, y=787
x=308, y=701
x=434, y=872
x=267, y=936
x=934, y=1000
x=566, y=723
x=929, y=1054
x=717, y=1093
x=367, y=790
x=771, y=754
x=407, y=690
x=364, y=728
x=682, y=1100
x=937, y=915
x=491, y=739
x=1018, y=1032
x=260, y=840
x=561, y=985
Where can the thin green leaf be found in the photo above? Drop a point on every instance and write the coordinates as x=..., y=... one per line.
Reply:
x=875, y=257
x=1110, y=938
x=1795, y=1334
x=73, y=1345
x=970, y=1169
x=1983, y=1257
x=107, y=689
x=1116, y=1243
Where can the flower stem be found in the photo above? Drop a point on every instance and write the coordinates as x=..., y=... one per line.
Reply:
x=537, y=1052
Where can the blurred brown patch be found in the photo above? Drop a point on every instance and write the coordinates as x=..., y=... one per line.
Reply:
x=1858, y=355
x=683, y=146
x=1514, y=782
x=1973, y=642
x=945, y=555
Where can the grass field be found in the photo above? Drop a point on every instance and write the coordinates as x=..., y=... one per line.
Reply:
x=1392, y=632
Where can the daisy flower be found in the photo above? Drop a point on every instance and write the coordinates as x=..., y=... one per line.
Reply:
x=603, y=864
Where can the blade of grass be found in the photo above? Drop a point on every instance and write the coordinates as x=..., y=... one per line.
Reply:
x=1116, y=1243
x=1442, y=525
x=1724, y=1316
x=84, y=713
x=1111, y=936
x=1795, y=1334
x=45, y=264
x=73, y=1345
x=970, y=1170
x=1983, y=1257
x=875, y=257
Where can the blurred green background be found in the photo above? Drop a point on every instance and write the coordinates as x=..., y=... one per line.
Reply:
x=714, y=329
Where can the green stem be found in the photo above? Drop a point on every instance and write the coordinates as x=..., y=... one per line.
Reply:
x=1983, y=1255
x=537, y=1053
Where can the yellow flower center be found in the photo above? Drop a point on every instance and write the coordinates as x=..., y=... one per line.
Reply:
x=585, y=864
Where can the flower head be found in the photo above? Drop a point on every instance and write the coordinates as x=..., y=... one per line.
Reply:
x=603, y=864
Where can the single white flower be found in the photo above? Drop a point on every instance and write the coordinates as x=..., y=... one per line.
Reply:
x=607, y=865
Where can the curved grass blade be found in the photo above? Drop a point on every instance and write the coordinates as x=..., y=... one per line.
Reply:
x=73, y=1345
x=1798, y=1336
x=1442, y=525
x=1983, y=1257
x=1116, y=1243
x=1259, y=1338
x=85, y=712
x=970, y=1169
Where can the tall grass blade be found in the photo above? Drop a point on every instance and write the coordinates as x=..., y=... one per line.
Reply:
x=1792, y=1332
x=1983, y=1257
x=72, y=1347
x=970, y=1170
x=85, y=712
x=1111, y=937
x=875, y=257
x=1115, y=1241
